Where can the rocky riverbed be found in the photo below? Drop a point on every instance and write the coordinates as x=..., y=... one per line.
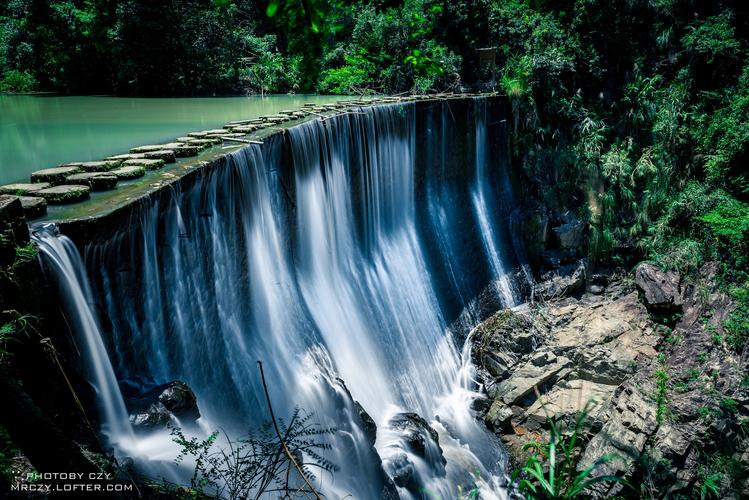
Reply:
x=668, y=396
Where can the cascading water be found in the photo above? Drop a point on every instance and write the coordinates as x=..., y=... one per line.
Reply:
x=64, y=262
x=330, y=253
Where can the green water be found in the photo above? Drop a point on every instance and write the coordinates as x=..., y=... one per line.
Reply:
x=40, y=131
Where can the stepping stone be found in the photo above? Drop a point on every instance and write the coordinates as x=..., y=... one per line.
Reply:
x=163, y=154
x=154, y=147
x=201, y=143
x=146, y=163
x=131, y=172
x=186, y=150
x=197, y=134
x=100, y=166
x=213, y=131
x=185, y=138
x=55, y=175
x=22, y=189
x=33, y=206
x=126, y=156
x=58, y=195
x=97, y=181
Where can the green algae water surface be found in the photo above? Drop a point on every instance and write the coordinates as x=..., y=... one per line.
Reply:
x=43, y=131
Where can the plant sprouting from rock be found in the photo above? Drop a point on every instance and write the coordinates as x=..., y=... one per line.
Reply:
x=551, y=471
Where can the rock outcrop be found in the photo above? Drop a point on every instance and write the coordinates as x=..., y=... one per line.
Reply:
x=665, y=395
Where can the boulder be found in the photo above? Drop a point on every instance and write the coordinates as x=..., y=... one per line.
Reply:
x=55, y=175
x=22, y=189
x=129, y=172
x=58, y=195
x=660, y=289
x=97, y=181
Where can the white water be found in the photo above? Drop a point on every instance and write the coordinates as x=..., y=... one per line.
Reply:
x=321, y=276
x=61, y=255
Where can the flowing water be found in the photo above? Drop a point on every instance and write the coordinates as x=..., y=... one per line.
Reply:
x=337, y=254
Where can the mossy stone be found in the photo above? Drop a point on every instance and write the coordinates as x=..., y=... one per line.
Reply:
x=58, y=195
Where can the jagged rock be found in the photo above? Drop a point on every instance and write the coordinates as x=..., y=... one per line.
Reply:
x=368, y=423
x=179, y=399
x=543, y=368
x=500, y=342
x=404, y=473
x=22, y=189
x=660, y=288
x=499, y=416
x=64, y=194
x=97, y=181
x=152, y=406
x=564, y=281
x=55, y=175
x=416, y=432
x=570, y=235
x=130, y=172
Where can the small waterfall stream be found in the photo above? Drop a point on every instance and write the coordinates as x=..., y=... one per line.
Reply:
x=349, y=265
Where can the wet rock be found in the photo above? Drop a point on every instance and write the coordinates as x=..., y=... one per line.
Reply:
x=130, y=172
x=58, y=195
x=179, y=399
x=33, y=206
x=417, y=432
x=97, y=181
x=156, y=406
x=162, y=154
x=148, y=148
x=660, y=289
x=368, y=423
x=22, y=189
x=185, y=150
x=564, y=281
x=100, y=166
x=203, y=143
x=404, y=473
x=55, y=175
x=148, y=164
x=126, y=156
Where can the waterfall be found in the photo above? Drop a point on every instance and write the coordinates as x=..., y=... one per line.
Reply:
x=60, y=256
x=341, y=250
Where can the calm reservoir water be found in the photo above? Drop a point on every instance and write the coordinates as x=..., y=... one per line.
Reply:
x=40, y=131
